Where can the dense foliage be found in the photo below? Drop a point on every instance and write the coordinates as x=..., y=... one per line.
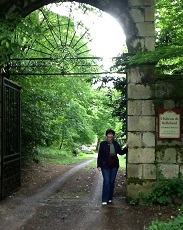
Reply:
x=62, y=112
x=8, y=46
x=164, y=192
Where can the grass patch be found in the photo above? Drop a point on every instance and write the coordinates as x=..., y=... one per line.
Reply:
x=55, y=156
x=45, y=214
x=119, y=212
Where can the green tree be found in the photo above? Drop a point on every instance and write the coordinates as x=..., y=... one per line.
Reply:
x=103, y=114
x=57, y=110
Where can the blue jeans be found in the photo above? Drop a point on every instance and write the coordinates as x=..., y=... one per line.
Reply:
x=109, y=176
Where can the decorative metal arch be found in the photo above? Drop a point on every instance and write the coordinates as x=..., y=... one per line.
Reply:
x=57, y=48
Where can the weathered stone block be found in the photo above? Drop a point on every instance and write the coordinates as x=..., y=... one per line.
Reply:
x=134, y=76
x=150, y=43
x=148, y=139
x=141, y=155
x=163, y=90
x=149, y=14
x=169, y=170
x=181, y=169
x=141, y=2
x=103, y=3
x=149, y=171
x=134, y=139
x=167, y=156
x=146, y=29
x=168, y=104
x=180, y=156
x=134, y=107
x=139, y=91
x=141, y=123
x=134, y=171
x=138, y=14
x=133, y=189
x=148, y=107
x=168, y=143
x=138, y=42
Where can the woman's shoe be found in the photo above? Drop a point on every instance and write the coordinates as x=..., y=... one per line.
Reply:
x=104, y=203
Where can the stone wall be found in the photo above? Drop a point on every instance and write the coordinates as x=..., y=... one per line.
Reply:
x=149, y=157
x=169, y=153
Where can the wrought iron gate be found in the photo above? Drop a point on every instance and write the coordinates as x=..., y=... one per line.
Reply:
x=10, y=154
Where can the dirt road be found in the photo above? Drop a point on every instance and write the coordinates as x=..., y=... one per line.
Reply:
x=72, y=201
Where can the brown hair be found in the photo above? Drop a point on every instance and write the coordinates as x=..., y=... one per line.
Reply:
x=110, y=131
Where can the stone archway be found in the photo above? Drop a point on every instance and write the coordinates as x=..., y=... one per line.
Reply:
x=135, y=17
x=137, y=20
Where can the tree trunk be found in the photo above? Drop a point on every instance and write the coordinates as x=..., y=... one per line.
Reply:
x=98, y=143
x=61, y=143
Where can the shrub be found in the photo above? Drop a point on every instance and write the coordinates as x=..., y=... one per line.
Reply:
x=165, y=191
x=173, y=224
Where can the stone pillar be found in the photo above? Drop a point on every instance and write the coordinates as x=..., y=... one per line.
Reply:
x=141, y=169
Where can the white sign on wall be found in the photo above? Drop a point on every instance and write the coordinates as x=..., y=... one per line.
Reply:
x=169, y=124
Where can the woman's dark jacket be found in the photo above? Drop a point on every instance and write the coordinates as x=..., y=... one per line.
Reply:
x=104, y=153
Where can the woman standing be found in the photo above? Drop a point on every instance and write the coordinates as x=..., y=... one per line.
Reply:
x=108, y=163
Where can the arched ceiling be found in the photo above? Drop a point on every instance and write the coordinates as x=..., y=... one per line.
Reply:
x=119, y=9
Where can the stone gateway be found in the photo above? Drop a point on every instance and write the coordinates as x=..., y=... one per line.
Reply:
x=145, y=157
